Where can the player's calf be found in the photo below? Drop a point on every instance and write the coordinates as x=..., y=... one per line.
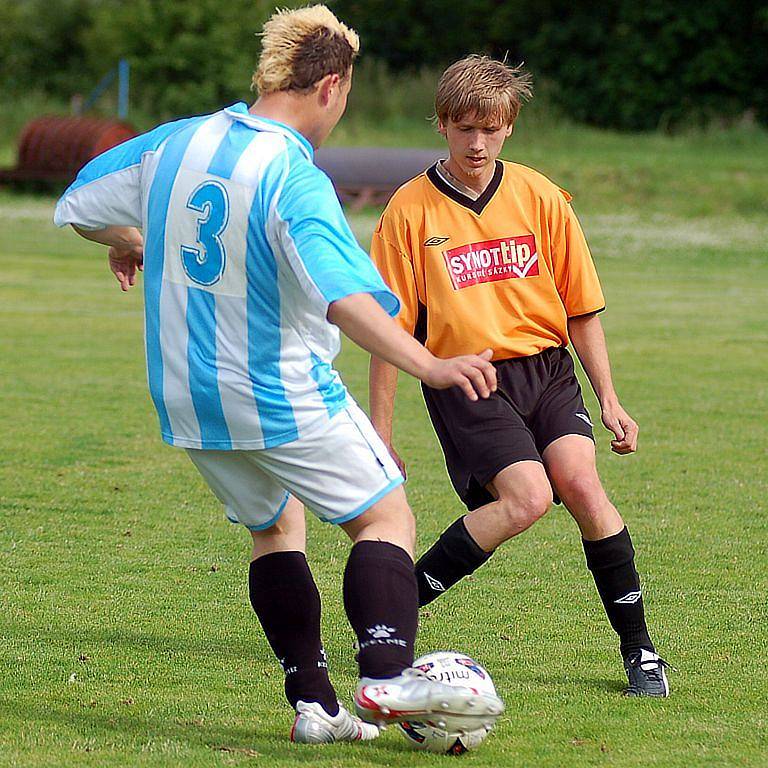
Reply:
x=285, y=598
x=381, y=600
x=524, y=496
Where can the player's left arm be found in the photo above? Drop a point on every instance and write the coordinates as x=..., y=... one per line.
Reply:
x=579, y=288
x=103, y=204
x=126, y=251
x=588, y=339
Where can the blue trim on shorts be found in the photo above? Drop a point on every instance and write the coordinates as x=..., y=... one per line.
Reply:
x=368, y=504
x=268, y=524
x=279, y=512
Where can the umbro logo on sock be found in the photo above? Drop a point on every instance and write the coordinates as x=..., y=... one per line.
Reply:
x=630, y=598
x=434, y=584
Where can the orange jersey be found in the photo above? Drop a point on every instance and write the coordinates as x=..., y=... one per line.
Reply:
x=505, y=271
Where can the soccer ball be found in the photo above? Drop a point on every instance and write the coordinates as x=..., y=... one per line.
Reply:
x=452, y=668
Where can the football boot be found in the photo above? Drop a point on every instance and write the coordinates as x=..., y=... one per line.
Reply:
x=413, y=696
x=646, y=673
x=313, y=725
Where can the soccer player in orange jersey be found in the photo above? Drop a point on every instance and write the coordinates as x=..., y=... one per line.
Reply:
x=485, y=253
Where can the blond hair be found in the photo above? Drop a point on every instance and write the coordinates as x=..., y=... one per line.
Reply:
x=488, y=90
x=301, y=47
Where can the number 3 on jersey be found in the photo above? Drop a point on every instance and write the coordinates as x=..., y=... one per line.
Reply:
x=205, y=264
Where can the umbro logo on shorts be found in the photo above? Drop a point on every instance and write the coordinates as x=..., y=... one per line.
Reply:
x=435, y=241
x=630, y=598
x=584, y=418
x=434, y=584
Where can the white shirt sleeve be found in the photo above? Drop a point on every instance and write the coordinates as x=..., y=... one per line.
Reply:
x=107, y=190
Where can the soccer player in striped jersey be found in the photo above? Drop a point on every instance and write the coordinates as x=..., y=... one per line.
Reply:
x=250, y=270
x=487, y=252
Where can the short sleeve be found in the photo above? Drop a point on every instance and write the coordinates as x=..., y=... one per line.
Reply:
x=306, y=219
x=393, y=262
x=107, y=190
x=574, y=270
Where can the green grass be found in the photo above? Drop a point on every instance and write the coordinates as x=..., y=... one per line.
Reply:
x=127, y=638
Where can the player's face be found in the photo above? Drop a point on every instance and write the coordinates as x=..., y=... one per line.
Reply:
x=474, y=145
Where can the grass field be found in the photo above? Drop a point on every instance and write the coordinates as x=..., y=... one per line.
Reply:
x=126, y=634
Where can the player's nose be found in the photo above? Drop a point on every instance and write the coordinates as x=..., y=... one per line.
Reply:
x=477, y=143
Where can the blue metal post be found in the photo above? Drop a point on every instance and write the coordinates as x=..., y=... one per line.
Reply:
x=123, y=78
x=101, y=86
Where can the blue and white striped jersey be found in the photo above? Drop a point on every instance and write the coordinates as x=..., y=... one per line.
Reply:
x=245, y=246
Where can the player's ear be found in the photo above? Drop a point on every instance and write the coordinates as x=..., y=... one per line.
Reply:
x=510, y=130
x=328, y=87
x=441, y=129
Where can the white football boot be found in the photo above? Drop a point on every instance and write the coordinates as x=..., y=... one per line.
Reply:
x=413, y=696
x=313, y=725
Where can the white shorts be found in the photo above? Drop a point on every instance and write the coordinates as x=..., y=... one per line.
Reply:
x=337, y=471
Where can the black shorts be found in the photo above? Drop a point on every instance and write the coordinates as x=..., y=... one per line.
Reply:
x=537, y=401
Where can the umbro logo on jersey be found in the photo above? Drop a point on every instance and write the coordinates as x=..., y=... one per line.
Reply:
x=435, y=241
x=434, y=584
x=630, y=598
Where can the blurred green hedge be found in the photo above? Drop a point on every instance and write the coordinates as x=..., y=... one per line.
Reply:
x=186, y=55
x=619, y=64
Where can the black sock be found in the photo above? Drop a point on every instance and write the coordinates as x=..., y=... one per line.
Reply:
x=612, y=562
x=381, y=601
x=285, y=598
x=452, y=557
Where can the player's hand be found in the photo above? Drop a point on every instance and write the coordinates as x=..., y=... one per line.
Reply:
x=473, y=373
x=396, y=458
x=124, y=264
x=624, y=428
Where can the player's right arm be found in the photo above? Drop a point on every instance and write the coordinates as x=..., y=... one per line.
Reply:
x=340, y=280
x=382, y=388
x=388, y=253
x=363, y=320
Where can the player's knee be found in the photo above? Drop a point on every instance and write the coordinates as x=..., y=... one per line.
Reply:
x=389, y=519
x=400, y=520
x=523, y=509
x=537, y=502
x=583, y=492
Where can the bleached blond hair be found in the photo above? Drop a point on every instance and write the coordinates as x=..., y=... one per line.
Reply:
x=300, y=47
x=482, y=88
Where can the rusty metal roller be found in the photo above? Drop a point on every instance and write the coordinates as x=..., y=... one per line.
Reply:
x=369, y=175
x=54, y=148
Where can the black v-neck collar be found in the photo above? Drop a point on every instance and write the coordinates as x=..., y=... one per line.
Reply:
x=478, y=206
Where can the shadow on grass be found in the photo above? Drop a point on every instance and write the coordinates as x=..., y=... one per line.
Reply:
x=111, y=731
x=602, y=684
x=121, y=640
